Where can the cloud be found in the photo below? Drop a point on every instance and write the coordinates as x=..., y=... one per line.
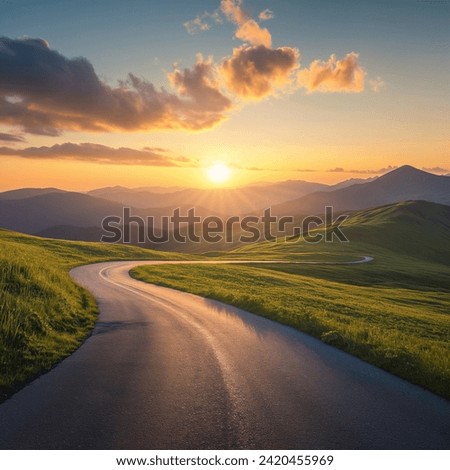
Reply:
x=345, y=75
x=363, y=172
x=96, y=153
x=250, y=168
x=200, y=84
x=336, y=170
x=202, y=22
x=339, y=169
x=11, y=138
x=248, y=29
x=196, y=25
x=437, y=169
x=44, y=92
x=233, y=11
x=254, y=72
x=266, y=15
x=376, y=84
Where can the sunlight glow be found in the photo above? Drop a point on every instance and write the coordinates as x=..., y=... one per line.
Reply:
x=219, y=173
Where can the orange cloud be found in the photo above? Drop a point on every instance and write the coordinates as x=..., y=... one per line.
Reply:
x=258, y=71
x=44, y=92
x=233, y=11
x=266, y=15
x=248, y=29
x=345, y=75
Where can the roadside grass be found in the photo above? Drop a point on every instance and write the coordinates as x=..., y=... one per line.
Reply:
x=44, y=315
x=393, y=312
x=402, y=330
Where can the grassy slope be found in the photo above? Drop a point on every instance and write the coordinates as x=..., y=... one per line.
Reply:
x=393, y=312
x=44, y=316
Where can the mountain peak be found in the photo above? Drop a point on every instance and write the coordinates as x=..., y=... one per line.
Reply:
x=406, y=173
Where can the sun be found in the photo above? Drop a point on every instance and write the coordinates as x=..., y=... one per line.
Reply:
x=219, y=173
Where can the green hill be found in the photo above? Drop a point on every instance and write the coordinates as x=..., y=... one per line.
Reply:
x=392, y=312
x=44, y=316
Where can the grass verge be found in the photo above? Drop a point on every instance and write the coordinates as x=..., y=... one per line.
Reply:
x=44, y=315
x=396, y=323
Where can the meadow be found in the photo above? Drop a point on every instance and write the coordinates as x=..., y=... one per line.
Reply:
x=392, y=312
x=44, y=315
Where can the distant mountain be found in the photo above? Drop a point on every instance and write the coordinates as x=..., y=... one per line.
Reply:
x=111, y=190
x=34, y=214
x=24, y=193
x=75, y=216
x=351, y=182
x=402, y=184
x=225, y=200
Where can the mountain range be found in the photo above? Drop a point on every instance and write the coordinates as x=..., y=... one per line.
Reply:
x=55, y=213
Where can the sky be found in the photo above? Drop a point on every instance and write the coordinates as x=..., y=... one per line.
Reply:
x=149, y=93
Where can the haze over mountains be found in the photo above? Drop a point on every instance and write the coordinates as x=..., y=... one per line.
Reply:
x=402, y=184
x=224, y=200
x=55, y=213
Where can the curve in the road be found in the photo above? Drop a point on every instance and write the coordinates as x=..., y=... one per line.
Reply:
x=169, y=370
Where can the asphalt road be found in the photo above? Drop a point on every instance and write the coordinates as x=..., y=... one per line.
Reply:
x=169, y=370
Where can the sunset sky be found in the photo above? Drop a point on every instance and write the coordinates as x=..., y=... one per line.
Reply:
x=143, y=92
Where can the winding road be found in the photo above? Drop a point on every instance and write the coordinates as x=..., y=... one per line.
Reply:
x=169, y=370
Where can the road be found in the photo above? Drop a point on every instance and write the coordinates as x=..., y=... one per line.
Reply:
x=169, y=370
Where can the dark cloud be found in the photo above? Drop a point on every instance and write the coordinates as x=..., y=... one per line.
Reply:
x=199, y=83
x=11, y=138
x=97, y=153
x=45, y=93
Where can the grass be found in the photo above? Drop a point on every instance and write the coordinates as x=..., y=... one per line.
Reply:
x=44, y=315
x=392, y=312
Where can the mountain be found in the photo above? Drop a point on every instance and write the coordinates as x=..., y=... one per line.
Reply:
x=225, y=200
x=34, y=214
x=75, y=216
x=112, y=190
x=24, y=193
x=351, y=182
x=402, y=184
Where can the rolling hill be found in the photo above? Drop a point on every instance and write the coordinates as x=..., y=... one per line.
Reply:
x=392, y=311
x=25, y=193
x=44, y=315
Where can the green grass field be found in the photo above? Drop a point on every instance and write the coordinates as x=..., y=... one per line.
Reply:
x=392, y=312
x=44, y=316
